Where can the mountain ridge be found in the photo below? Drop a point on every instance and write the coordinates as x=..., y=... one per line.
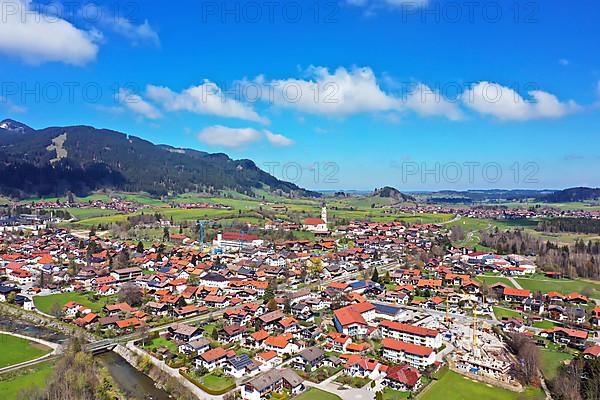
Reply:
x=82, y=158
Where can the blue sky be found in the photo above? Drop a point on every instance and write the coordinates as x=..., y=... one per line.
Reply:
x=354, y=94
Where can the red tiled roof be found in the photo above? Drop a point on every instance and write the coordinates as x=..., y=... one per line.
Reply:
x=404, y=374
x=410, y=348
x=415, y=330
x=508, y=291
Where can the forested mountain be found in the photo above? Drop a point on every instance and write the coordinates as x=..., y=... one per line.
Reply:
x=55, y=160
x=392, y=193
x=572, y=194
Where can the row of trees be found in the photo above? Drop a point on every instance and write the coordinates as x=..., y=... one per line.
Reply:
x=579, y=260
x=576, y=225
x=579, y=380
x=75, y=377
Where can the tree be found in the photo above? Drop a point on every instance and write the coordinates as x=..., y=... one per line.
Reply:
x=56, y=310
x=75, y=377
x=11, y=297
x=139, y=248
x=270, y=291
x=375, y=276
x=130, y=294
x=122, y=259
x=215, y=334
x=166, y=234
x=528, y=357
x=144, y=332
x=272, y=305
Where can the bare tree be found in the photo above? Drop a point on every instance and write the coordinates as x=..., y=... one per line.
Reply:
x=528, y=357
x=131, y=294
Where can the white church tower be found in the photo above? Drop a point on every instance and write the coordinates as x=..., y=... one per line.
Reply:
x=324, y=213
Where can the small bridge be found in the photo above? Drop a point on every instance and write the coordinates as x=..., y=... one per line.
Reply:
x=101, y=346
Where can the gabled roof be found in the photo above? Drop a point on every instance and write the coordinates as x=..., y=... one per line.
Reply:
x=508, y=291
x=411, y=329
x=397, y=345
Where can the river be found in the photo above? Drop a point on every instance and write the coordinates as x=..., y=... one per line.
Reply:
x=134, y=384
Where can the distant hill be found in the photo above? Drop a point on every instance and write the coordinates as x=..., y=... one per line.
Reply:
x=10, y=125
x=484, y=195
x=571, y=195
x=392, y=193
x=55, y=160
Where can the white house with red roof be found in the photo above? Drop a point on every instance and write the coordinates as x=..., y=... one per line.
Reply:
x=317, y=225
x=411, y=334
x=402, y=352
x=353, y=320
x=236, y=240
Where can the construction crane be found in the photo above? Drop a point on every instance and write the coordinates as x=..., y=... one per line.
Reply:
x=474, y=332
x=201, y=225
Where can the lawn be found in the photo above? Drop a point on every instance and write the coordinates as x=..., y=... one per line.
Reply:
x=453, y=386
x=217, y=383
x=491, y=279
x=162, y=342
x=564, y=286
x=390, y=394
x=16, y=350
x=501, y=312
x=12, y=384
x=544, y=324
x=317, y=394
x=45, y=303
x=551, y=361
x=354, y=381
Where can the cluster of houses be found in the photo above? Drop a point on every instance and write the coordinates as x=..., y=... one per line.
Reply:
x=286, y=308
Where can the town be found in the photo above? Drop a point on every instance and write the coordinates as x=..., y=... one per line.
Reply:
x=363, y=310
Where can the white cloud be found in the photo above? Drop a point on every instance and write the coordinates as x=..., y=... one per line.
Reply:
x=222, y=136
x=37, y=38
x=506, y=104
x=136, y=34
x=564, y=62
x=12, y=107
x=219, y=135
x=347, y=92
x=428, y=103
x=138, y=105
x=206, y=98
x=278, y=140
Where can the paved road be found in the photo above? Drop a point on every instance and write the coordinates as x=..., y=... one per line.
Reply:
x=514, y=282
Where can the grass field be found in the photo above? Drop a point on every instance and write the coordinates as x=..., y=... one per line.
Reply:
x=12, y=384
x=104, y=220
x=84, y=213
x=563, y=286
x=453, y=386
x=490, y=280
x=551, y=361
x=390, y=394
x=217, y=383
x=162, y=342
x=317, y=394
x=16, y=350
x=45, y=303
x=544, y=324
x=501, y=312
